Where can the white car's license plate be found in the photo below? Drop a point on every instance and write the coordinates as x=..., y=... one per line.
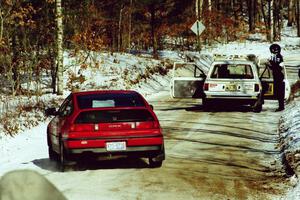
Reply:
x=231, y=87
x=116, y=146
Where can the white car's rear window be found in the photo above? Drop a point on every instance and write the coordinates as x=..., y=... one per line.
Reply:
x=232, y=71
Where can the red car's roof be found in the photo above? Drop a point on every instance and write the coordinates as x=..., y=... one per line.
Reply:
x=105, y=92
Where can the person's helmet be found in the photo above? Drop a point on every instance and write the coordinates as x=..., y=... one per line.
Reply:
x=275, y=48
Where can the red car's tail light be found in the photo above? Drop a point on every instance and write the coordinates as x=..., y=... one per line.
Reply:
x=206, y=87
x=83, y=127
x=256, y=87
x=147, y=125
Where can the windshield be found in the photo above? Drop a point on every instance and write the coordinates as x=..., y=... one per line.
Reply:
x=232, y=71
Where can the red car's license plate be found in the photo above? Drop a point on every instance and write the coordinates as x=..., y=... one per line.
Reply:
x=116, y=146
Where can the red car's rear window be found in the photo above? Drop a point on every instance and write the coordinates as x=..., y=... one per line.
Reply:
x=107, y=116
x=110, y=100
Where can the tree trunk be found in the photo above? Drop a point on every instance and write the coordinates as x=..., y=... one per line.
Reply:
x=270, y=11
x=291, y=18
x=53, y=70
x=1, y=25
x=120, y=30
x=129, y=25
x=275, y=16
x=15, y=64
x=209, y=22
x=277, y=20
x=266, y=19
x=59, y=47
x=298, y=17
x=251, y=20
x=153, y=30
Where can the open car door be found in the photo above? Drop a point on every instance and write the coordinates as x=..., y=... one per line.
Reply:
x=267, y=82
x=187, y=80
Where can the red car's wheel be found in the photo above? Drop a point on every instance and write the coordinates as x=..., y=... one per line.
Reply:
x=154, y=164
x=52, y=154
x=62, y=156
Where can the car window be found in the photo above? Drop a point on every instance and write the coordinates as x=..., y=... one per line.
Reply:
x=66, y=107
x=110, y=100
x=188, y=70
x=184, y=70
x=265, y=72
x=108, y=116
x=232, y=71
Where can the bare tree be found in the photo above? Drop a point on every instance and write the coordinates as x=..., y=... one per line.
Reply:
x=59, y=47
x=120, y=28
x=130, y=25
x=298, y=17
x=251, y=15
x=291, y=12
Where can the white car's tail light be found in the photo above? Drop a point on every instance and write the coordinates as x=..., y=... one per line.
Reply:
x=206, y=87
x=256, y=87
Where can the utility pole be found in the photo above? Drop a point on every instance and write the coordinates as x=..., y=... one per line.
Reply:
x=59, y=47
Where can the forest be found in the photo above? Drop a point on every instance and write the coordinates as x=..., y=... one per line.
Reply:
x=35, y=33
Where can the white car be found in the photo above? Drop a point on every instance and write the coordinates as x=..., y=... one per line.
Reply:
x=232, y=80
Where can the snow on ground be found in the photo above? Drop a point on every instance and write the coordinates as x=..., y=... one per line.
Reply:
x=12, y=150
x=118, y=71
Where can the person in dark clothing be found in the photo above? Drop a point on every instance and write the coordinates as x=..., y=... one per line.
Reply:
x=278, y=76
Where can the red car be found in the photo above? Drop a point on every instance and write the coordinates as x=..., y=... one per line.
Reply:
x=105, y=123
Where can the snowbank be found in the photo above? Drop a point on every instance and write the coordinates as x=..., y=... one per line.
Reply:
x=289, y=127
x=289, y=143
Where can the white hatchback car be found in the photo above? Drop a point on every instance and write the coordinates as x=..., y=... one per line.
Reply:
x=239, y=80
x=230, y=79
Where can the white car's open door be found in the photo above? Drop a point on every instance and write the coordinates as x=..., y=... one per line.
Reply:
x=187, y=80
x=268, y=82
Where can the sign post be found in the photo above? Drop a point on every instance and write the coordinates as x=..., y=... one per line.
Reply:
x=198, y=28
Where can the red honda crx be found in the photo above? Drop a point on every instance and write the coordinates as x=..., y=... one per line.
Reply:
x=105, y=123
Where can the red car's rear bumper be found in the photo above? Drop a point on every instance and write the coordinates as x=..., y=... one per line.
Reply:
x=83, y=143
x=137, y=146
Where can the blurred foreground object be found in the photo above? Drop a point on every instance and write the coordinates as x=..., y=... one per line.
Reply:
x=27, y=185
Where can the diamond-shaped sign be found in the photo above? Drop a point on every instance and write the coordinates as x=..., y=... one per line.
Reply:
x=198, y=27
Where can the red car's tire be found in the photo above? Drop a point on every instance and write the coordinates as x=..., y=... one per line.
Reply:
x=62, y=157
x=155, y=164
x=52, y=154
